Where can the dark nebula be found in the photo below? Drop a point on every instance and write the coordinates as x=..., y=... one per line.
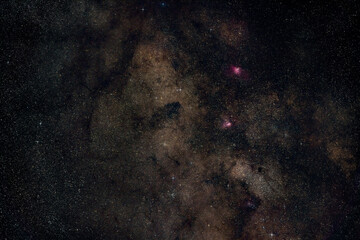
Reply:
x=179, y=120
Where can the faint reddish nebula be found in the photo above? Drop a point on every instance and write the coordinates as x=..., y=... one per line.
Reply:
x=250, y=204
x=227, y=122
x=237, y=72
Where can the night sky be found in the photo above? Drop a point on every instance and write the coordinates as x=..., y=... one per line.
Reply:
x=178, y=120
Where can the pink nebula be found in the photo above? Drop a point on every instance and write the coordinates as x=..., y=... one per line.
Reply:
x=226, y=124
x=236, y=70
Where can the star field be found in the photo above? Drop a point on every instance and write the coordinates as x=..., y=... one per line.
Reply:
x=179, y=120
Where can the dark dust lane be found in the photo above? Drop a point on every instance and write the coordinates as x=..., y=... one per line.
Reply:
x=179, y=120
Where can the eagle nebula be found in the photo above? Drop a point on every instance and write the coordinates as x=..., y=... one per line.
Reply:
x=179, y=120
